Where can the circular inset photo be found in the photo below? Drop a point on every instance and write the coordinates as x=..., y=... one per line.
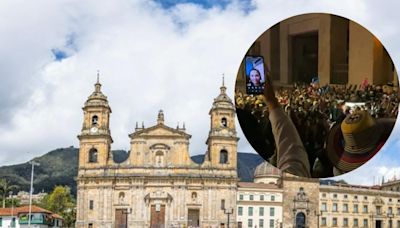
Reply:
x=317, y=95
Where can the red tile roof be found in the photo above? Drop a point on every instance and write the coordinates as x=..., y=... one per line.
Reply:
x=25, y=209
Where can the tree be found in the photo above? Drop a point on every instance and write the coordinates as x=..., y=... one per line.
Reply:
x=5, y=188
x=60, y=201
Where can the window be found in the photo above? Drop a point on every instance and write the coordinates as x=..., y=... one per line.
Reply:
x=355, y=197
x=222, y=204
x=271, y=223
x=1, y=221
x=250, y=211
x=345, y=196
x=95, y=120
x=261, y=211
x=390, y=210
x=334, y=221
x=261, y=223
x=240, y=211
x=90, y=225
x=251, y=197
x=250, y=223
x=272, y=211
x=390, y=199
x=224, y=123
x=378, y=210
x=345, y=222
x=13, y=222
x=335, y=196
x=323, y=207
x=324, y=195
x=365, y=197
x=345, y=207
x=272, y=198
x=240, y=197
x=365, y=209
x=365, y=223
x=93, y=155
x=355, y=208
x=223, y=157
x=261, y=197
x=355, y=222
x=334, y=207
x=398, y=211
x=323, y=221
x=91, y=204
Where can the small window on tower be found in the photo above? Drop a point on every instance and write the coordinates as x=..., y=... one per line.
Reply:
x=95, y=120
x=224, y=122
x=223, y=157
x=93, y=155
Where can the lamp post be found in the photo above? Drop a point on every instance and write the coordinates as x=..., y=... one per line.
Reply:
x=318, y=214
x=12, y=208
x=31, y=191
x=390, y=216
x=228, y=211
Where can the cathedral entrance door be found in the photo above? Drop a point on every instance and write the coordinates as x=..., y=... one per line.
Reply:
x=300, y=220
x=121, y=218
x=193, y=218
x=378, y=223
x=157, y=216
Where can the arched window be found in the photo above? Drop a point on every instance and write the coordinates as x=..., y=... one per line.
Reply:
x=223, y=157
x=95, y=120
x=224, y=122
x=93, y=155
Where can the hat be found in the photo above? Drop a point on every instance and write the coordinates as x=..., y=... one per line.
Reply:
x=356, y=140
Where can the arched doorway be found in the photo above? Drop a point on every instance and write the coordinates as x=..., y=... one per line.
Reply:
x=300, y=220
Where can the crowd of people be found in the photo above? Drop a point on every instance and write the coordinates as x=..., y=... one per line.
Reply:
x=313, y=110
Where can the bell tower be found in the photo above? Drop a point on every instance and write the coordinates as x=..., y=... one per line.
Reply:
x=95, y=138
x=222, y=139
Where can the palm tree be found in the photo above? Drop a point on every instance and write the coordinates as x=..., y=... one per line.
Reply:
x=5, y=188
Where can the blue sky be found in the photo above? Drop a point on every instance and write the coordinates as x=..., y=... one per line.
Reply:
x=151, y=55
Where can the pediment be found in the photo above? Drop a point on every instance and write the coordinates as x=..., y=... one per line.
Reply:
x=159, y=130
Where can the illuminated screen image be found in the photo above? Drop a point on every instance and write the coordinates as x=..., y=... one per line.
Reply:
x=255, y=77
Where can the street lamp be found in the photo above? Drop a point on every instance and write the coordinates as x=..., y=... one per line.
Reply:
x=228, y=211
x=318, y=216
x=390, y=215
x=31, y=191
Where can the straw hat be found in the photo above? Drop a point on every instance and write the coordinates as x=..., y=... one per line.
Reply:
x=356, y=140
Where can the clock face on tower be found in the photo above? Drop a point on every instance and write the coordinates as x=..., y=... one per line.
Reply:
x=94, y=129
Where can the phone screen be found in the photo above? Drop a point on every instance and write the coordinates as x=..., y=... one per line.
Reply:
x=255, y=76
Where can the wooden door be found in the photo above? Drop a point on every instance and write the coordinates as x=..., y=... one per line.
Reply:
x=193, y=218
x=157, y=216
x=121, y=218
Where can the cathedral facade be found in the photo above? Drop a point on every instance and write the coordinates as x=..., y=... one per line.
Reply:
x=158, y=185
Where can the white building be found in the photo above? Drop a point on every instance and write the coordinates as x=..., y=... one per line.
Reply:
x=40, y=218
x=259, y=204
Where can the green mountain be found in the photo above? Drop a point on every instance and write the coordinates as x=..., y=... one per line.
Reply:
x=60, y=167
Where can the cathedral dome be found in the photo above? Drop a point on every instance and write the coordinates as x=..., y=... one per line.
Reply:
x=266, y=173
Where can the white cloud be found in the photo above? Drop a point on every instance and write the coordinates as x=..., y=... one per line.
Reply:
x=149, y=59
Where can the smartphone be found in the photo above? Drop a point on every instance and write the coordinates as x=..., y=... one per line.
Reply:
x=255, y=74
